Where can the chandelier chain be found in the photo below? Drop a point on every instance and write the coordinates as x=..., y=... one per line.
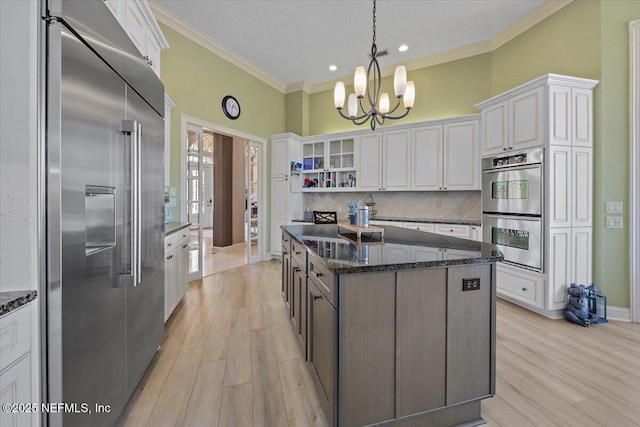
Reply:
x=374, y=21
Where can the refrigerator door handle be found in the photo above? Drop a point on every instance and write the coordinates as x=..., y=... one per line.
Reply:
x=131, y=278
x=139, y=205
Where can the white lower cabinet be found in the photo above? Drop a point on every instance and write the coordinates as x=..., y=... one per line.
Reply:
x=419, y=226
x=462, y=231
x=176, y=269
x=15, y=366
x=516, y=284
x=476, y=233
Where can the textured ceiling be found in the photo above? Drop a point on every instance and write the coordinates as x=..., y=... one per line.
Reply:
x=297, y=40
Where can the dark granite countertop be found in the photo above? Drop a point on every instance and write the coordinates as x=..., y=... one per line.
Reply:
x=172, y=227
x=424, y=220
x=12, y=300
x=401, y=249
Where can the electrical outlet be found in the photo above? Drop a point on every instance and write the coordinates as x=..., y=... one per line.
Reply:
x=471, y=284
x=614, y=207
x=172, y=202
x=614, y=222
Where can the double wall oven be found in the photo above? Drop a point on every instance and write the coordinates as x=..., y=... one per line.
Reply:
x=512, y=204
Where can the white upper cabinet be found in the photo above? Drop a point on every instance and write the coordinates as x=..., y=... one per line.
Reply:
x=582, y=117
x=396, y=160
x=369, y=170
x=138, y=21
x=383, y=161
x=514, y=124
x=427, y=157
x=496, y=129
x=461, y=160
x=525, y=120
x=445, y=157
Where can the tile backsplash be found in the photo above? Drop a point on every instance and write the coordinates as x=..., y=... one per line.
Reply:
x=404, y=204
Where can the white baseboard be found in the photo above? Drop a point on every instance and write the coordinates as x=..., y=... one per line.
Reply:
x=618, y=313
x=225, y=249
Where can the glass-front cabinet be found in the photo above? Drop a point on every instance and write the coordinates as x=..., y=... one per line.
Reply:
x=328, y=165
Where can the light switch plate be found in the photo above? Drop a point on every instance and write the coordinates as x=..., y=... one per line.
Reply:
x=614, y=222
x=614, y=207
x=172, y=192
x=172, y=202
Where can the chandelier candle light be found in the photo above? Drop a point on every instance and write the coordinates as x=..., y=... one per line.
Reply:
x=379, y=107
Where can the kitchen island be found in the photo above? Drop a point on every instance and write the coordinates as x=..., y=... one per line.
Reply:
x=396, y=332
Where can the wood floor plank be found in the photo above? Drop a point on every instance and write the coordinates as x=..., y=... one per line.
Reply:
x=539, y=393
x=236, y=407
x=215, y=347
x=504, y=414
x=204, y=404
x=172, y=403
x=528, y=408
x=238, y=366
x=268, y=399
x=604, y=415
x=303, y=406
x=144, y=398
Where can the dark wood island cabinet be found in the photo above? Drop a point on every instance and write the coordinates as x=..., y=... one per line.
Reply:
x=395, y=332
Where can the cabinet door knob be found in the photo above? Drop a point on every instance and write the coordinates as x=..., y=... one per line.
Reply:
x=317, y=297
x=445, y=188
x=510, y=148
x=184, y=246
x=296, y=269
x=524, y=289
x=169, y=244
x=504, y=149
x=439, y=188
x=285, y=253
x=319, y=274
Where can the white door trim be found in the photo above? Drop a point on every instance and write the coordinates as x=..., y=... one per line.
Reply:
x=634, y=184
x=186, y=120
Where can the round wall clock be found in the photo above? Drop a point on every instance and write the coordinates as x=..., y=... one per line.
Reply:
x=231, y=107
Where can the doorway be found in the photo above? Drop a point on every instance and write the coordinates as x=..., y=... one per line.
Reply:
x=202, y=186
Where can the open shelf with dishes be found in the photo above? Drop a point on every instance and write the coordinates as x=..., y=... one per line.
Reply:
x=328, y=165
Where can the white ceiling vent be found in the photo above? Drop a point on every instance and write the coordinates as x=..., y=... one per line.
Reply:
x=380, y=53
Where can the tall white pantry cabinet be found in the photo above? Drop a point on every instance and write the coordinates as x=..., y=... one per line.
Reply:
x=286, y=195
x=555, y=112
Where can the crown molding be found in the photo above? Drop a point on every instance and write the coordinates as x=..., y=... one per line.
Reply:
x=536, y=16
x=539, y=14
x=298, y=86
x=212, y=45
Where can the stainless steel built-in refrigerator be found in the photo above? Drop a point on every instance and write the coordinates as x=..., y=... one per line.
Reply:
x=104, y=227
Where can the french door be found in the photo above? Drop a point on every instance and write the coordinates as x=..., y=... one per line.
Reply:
x=255, y=211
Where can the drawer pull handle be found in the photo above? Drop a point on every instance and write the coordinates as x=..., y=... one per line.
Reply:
x=184, y=246
x=285, y=253
x=317, y=297
x=298, y=253
x=169, y=244
x=169, y=257
x=504, y=149
x=319, y=274
x=524, y=289
x=297, y=269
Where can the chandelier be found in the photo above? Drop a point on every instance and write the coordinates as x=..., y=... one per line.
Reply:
x=378, y=108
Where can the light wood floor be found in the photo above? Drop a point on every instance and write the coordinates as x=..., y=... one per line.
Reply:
x=230, y=358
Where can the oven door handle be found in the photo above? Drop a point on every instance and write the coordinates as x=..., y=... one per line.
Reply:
x=506, y=168
x=514, y=217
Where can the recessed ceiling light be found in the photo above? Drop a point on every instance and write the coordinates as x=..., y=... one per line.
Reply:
x=332, y=67
x=403, y=48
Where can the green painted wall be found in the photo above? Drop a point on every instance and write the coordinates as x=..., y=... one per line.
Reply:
x=297, y=113
x=197, y=80
x=567, y=42
x=611, y=150
x=443, y=90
